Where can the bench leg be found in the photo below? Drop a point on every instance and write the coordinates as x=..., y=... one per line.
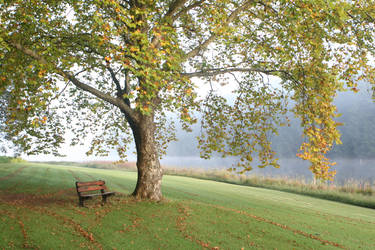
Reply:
x=81, y=202
x=104, y=198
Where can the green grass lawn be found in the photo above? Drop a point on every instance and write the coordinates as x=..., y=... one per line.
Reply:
x=39, y=209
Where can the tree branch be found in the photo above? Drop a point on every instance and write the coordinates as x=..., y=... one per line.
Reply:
x=120, y=91
x=209, y=40
x=108, y=98
x=118, y=102
x=29, y=52
x=220, y=71
x=127, y=82
x=186, y=9
x=174, y=7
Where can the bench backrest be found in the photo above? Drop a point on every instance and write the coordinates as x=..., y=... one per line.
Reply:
x=90, y=186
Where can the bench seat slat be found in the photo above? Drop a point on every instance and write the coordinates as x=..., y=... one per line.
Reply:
x=90, y=183
x=90, y=188
x=97, y=194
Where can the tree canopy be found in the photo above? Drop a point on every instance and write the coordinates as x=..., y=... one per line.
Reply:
x=126, y=64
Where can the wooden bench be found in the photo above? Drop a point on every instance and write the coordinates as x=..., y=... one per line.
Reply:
x=88, y=190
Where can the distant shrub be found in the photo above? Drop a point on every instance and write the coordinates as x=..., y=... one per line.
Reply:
x=17, y=160
x=7, y=159
x=127, y=166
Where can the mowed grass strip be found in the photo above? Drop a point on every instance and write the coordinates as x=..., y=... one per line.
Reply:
x=39, y=209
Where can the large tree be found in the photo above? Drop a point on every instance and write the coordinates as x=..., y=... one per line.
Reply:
x=110, y=70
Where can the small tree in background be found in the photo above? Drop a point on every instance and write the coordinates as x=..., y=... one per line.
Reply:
x=127, y=63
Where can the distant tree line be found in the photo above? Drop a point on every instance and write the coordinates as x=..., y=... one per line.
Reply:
x=7, y=159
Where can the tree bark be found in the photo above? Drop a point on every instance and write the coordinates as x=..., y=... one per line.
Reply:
x=149, y=169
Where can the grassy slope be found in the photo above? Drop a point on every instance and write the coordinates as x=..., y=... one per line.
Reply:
x=39, y=209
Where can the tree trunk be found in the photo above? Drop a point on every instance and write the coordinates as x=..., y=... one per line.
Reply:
x=148, y=165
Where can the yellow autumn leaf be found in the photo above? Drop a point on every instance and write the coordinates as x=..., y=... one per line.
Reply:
x=41, y=73
x=134, y=49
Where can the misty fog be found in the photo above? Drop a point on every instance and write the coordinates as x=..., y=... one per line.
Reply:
x=355, y=157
